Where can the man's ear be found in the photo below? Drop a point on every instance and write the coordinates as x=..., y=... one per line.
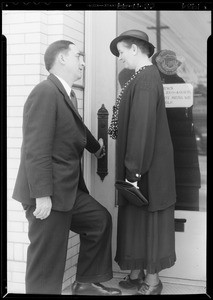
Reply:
x=61, y=58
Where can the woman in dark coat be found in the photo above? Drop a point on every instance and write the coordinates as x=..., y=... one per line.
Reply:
x=144, y=157
x=180, y=119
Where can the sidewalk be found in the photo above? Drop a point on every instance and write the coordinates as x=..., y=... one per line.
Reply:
x=171, y=286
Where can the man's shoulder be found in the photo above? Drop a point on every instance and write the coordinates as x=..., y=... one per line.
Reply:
x=45, y=87
x=45, y=83
x=44, y=91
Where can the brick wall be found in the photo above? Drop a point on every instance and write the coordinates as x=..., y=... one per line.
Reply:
x=28, y=33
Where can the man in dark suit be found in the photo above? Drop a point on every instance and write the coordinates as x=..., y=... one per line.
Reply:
x=51, y=187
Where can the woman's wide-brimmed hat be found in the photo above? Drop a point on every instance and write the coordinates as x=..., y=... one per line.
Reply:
x=134, y=33
x=166, y=61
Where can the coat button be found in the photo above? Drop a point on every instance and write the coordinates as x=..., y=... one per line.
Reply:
x=138, y=175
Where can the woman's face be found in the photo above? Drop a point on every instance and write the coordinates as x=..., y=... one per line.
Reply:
x=126, y=55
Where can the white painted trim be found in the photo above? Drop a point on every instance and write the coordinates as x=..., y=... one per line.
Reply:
x=87, y=91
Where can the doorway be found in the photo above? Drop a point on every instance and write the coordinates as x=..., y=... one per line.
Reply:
x=102, y=71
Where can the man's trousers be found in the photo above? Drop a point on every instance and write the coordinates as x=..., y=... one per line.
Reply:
x=46, y=256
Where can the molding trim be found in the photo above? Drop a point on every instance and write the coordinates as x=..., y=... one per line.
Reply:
x=88, y=90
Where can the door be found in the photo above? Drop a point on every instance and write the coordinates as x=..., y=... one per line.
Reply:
x=101, y=87
x=190, y=236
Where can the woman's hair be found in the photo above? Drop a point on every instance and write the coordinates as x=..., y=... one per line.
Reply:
x=143, y=46
x=53, y=50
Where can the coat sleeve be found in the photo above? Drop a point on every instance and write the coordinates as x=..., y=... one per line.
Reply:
x=38, y=134
x=141, y=131
x=92, y=144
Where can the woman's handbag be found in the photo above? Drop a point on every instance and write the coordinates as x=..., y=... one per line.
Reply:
x=131, y=193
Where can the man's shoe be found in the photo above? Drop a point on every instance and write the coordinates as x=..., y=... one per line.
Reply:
x=146, y=289
x=93, y=289
x=129, y=283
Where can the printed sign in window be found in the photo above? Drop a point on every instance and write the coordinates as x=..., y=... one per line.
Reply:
x=178, y=95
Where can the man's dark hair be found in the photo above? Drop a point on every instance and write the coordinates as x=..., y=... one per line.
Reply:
x=144, y=47
x=53, y=50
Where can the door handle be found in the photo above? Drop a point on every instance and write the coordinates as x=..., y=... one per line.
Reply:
x=102, y=166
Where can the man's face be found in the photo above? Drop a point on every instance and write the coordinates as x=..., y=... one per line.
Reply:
x=74, y=62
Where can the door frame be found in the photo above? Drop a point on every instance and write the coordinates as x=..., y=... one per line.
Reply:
x=87, y=91
x=100, y=88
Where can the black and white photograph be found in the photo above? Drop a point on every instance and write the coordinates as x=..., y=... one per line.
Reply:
x=106, y=149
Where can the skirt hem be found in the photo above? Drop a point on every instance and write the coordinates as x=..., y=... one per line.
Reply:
x=150, y=267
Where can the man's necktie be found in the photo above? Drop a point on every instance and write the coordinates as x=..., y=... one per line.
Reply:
x=74, y=100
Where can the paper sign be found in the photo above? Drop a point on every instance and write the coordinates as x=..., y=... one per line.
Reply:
x=178, y=95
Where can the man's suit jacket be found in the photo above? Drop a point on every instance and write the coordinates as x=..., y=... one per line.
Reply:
x=54, y=137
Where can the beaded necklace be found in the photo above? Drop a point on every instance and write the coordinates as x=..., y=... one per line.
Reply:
x=113, y=128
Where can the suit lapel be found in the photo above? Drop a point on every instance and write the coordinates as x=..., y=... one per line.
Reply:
x=59, y=85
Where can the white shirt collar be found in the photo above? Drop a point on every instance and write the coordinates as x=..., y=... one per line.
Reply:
x=65, y=85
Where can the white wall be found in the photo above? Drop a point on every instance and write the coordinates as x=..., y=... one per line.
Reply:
x=28, y=33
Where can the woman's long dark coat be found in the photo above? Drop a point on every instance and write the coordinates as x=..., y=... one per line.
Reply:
x=144, y=144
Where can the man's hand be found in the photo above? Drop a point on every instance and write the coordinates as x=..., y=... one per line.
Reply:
x=133, y=183
x=43, y=207
x=101, y=152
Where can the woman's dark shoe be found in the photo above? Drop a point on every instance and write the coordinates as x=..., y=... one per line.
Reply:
x=146, y=289
x=93, y=289
x=129, y=283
